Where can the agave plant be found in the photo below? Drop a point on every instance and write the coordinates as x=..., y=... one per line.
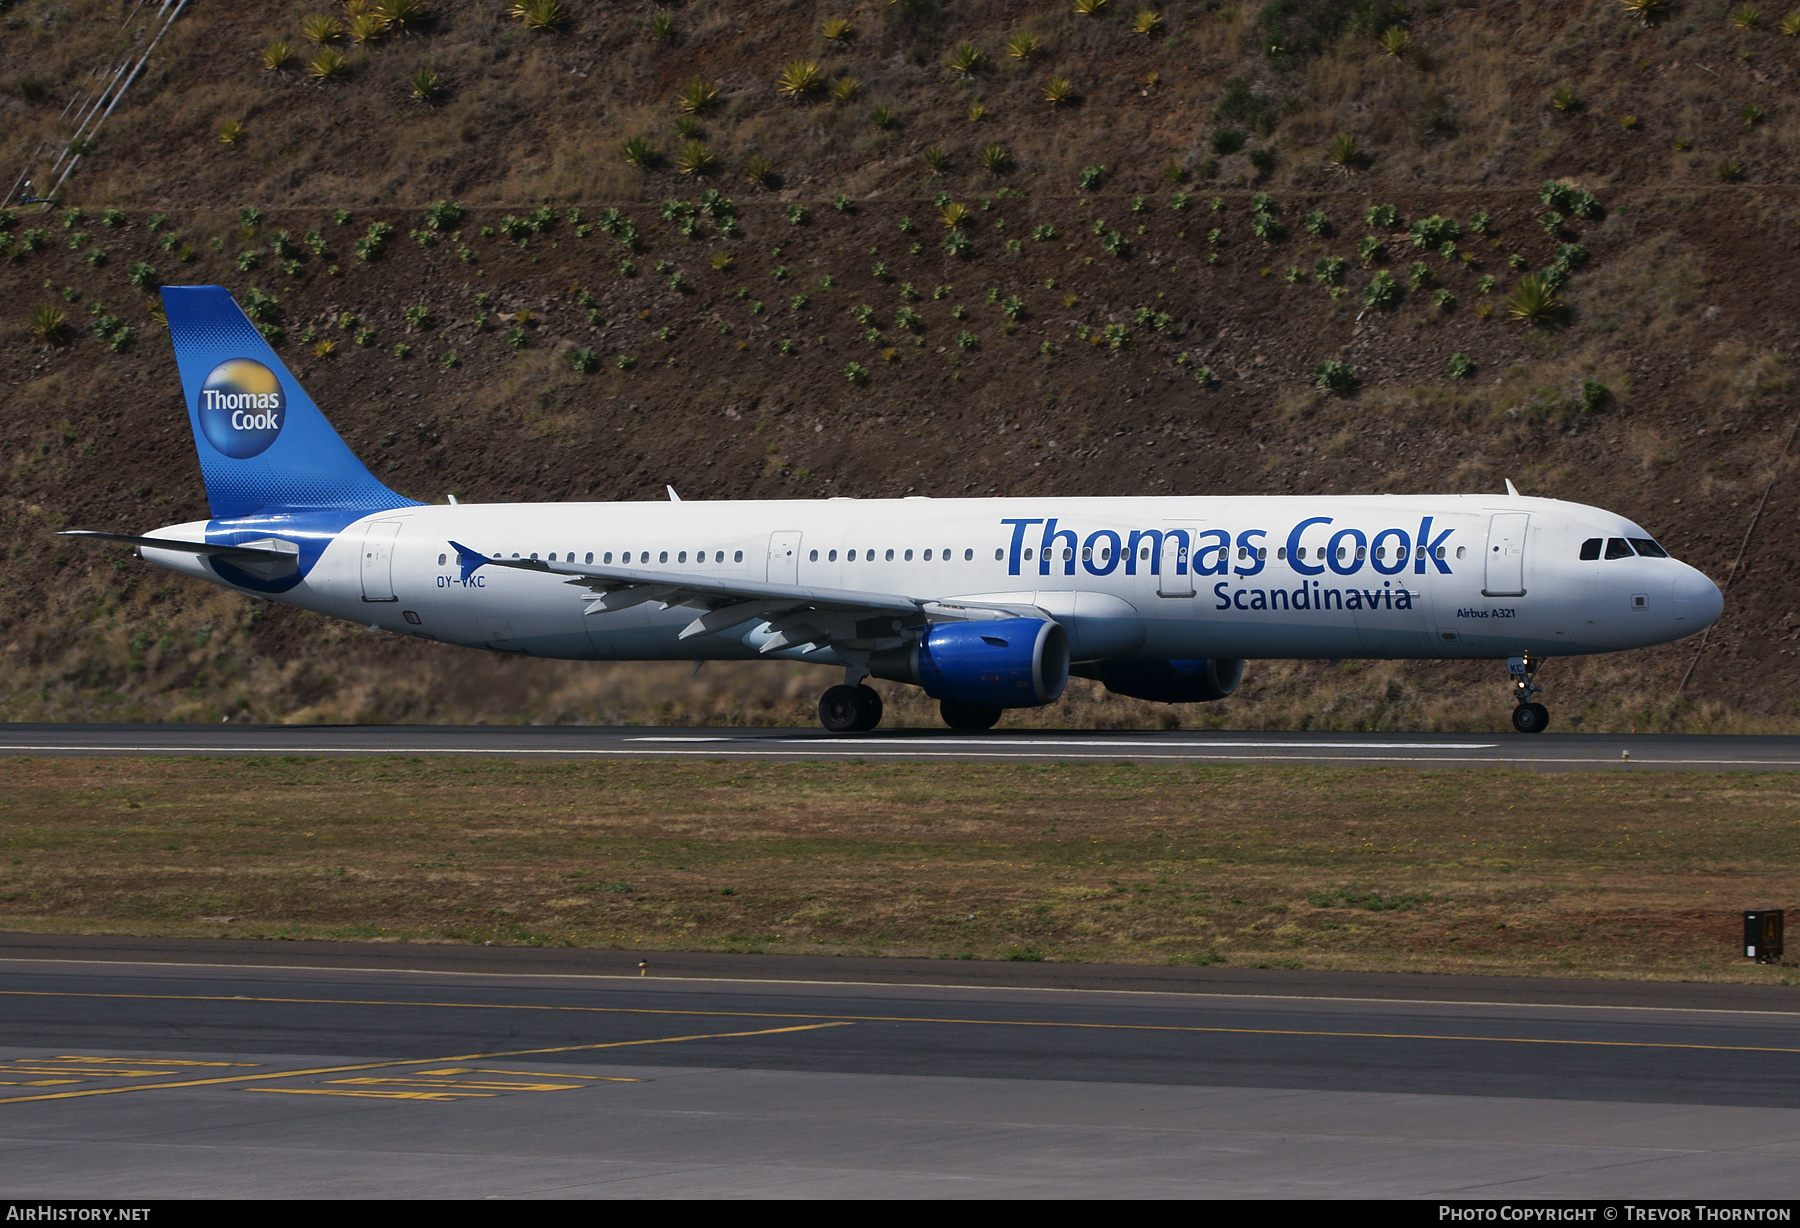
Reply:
x=1089, y=8
x=328, y=64
x=965, y=60
x=1147, y=22
x=639, y=152
x=662, y=27
x=994, y=158
x=538, y=14
x=1059, y=92
x=800, y=79
x=425, y=84
x=1533, y=302
x=953, y=215
x=882, y=118
x=365, y=28
x=276, y=56
x=846, y=90
x=403, y=13
x=697, y=96
x=1648, y=12
x=1745, y=17
x=49, y=323
x=759, y=170
x=688, y=128
x=977, y=112
x=320, y=28
x=1024, y=46
x=838, y=29
x=694, y=159
x=936, y=159
x=1344, y=152
x=1563, y=98
x=1790, y=25
x=1394, y=41
x=1753, y=114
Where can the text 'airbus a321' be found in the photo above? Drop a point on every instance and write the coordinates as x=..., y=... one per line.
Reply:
x=987, y=604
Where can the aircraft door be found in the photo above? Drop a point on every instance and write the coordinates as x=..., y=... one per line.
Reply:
x=1175, y=573
x=378, y=560
x=1506, y=555
x=784, y=557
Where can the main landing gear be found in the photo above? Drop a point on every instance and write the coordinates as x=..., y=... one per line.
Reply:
x=1528, y=715
x=850, y=709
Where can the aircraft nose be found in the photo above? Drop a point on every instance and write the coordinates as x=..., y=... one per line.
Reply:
x=1696, y=601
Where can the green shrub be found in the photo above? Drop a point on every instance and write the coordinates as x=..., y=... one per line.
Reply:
x=1329, y=270
x=585, y=361
x=1090, y=177
x=143, y=276
x=1418, y=274
x=444, y=215
x=1382, y=291
x=1444, y=301
x=1370, y=249
x=1435, y=231
x=797, y=215
x=1382, y=217
x=1334, y=376
x=1318, y=224
x=1461, y=366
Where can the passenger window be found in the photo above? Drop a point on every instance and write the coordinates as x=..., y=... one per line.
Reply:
x=719, y=557
x=831, y=557
x=1590, y=549
x=1343, y=552
x=1000, y=554
x=663, y=557
x=1027, y=554
x=534, y=554
x=1617, y=549
x=1087, y=554
x=680, y=558
x=890, y=554
x=607, y=557
x=1144, y=553
x=813, y=557
x=737, y=556
x=1361, y=552
x=590, y=556
x=1243, y=552
x=1300, y=553
x=908, y=555
x=1262, y=552
x=1068, y=553
x=1280, y=552
x=969, y=555
x=1648, y=548
x=440, y=560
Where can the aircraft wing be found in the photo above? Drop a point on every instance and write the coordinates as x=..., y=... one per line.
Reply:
x=796, y=615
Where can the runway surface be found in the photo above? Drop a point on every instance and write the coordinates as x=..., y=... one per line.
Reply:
x=1546, y=752
x=137, y=1072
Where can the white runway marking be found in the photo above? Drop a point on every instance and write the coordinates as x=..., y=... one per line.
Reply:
x=1000, y=744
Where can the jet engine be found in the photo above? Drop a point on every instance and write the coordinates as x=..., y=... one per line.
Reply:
x=1006, y=663
x=1168, y=682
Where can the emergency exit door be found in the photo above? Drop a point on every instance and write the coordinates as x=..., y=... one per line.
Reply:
x=1506, y=555
x=378, y=560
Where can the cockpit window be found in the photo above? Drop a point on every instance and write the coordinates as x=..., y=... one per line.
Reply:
x=1617, y=549
x=1648, y=548
x=1590, y=549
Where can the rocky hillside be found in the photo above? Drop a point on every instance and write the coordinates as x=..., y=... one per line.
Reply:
x=1141, y=291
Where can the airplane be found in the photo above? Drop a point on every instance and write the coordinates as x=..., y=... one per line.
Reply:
x=987, y=604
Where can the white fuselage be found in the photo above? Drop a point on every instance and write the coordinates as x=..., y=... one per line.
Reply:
x=1467, y=576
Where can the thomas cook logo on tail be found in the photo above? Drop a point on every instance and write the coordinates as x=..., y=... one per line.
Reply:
x=242, y=408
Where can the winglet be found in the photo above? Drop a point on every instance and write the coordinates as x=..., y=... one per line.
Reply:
x=673, y=497
x=1511, y=489
x=468, y=558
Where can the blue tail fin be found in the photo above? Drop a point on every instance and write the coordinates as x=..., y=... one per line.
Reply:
x=263, y=444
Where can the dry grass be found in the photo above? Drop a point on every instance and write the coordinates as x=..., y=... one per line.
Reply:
x=1614, y=874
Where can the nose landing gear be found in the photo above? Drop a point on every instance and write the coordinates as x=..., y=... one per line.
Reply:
x=1528, y=715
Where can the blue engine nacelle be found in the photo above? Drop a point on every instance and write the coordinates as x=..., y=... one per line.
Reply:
x=1168, y=682
x=1007, y=663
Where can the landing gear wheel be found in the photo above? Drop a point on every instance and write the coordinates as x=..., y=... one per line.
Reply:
x=1528, y=716
x=970, y=717
x=871, y=701
x=1531, y=718
x=850, y=709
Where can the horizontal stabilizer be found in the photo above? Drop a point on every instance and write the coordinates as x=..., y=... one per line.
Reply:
x=169, y=543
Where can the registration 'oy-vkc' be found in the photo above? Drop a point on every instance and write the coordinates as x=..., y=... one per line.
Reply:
x=987, y=604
